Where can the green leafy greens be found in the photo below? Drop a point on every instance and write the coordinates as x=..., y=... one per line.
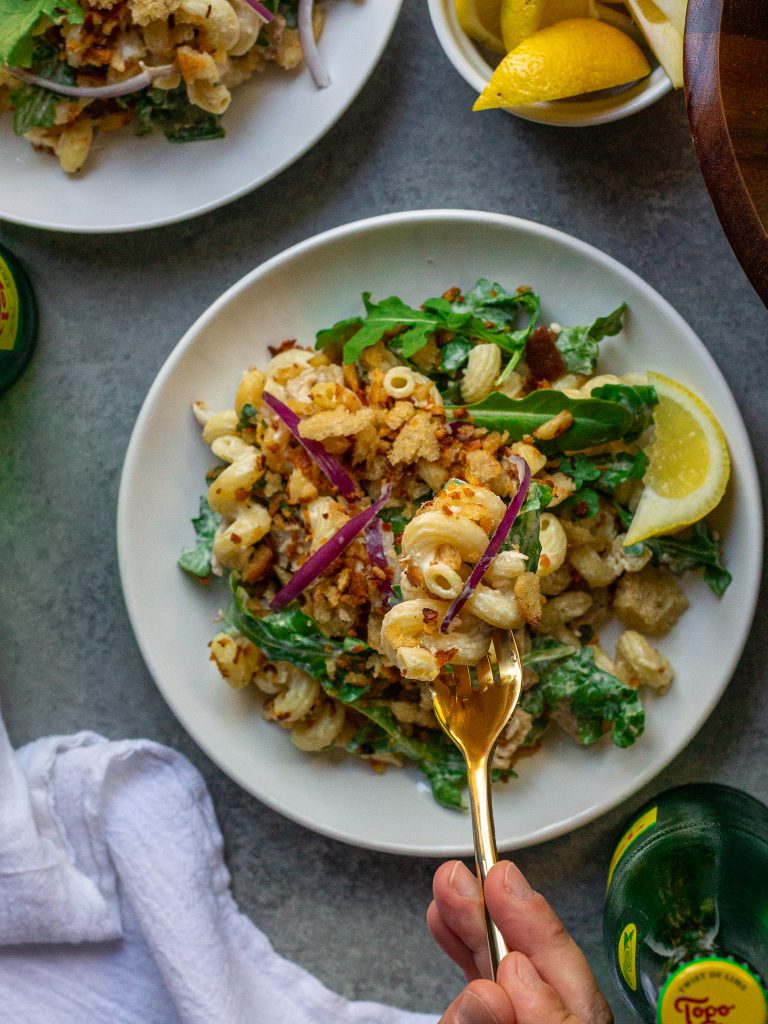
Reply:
x=171, y=112
x=487, y=314
x=197, y=560
x=594, y=697
x=19, y=18
x=525, y=529
x=579, y=346
x=695, y=548
x=33, y=106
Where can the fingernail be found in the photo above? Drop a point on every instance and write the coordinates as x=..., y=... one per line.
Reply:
x=526, y=972
x=515, y=883
x=464, y=882
x=472, y=1010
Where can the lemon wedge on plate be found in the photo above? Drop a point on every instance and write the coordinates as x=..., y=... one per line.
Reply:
x=689, y=464
x=480, y=19
x=574, y=56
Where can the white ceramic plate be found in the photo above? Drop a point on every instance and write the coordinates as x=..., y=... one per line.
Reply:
x=131, y=183
x=413, y=255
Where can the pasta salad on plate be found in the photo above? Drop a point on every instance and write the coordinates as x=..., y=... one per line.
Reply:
x=383, y=500
x=71, y=69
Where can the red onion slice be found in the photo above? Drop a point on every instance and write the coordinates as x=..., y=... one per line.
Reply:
x=315, y=64
x=498, y=538
x=329, y=552
x=261, y=10
x=99, y=92
x=374, y=542
x=331, y=466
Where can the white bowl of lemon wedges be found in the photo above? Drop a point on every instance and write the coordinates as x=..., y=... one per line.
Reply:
x=570, y=63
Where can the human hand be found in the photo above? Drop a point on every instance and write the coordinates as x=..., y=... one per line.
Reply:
x=545, y=980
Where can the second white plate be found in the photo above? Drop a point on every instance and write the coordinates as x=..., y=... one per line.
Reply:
x=414, y=255
x=131, y=183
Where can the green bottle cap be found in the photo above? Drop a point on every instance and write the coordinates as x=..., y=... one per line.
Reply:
x=18, y=320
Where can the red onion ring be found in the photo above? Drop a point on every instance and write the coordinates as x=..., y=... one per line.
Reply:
x=498, y=538
x=315, y=65
x=329, y=552
x=96, y=92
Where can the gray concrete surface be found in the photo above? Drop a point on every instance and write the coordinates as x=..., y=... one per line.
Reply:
x=112, y=309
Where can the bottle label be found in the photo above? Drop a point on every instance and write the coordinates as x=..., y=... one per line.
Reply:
x=712, y=991
x=9, y=308
x=627, y=953
x=643, y=823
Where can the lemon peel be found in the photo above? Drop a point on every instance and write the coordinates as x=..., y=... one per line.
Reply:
x=575, y=56
x=689, y=464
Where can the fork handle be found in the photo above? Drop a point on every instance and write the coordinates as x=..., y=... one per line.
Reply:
x=478, y=775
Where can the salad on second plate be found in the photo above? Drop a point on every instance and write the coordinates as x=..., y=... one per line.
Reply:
x=383, y=500
x=72, y=68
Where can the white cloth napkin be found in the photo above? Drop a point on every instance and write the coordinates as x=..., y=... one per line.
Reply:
x=115, y=906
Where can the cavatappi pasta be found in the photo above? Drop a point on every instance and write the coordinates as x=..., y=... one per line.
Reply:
x=348, y=662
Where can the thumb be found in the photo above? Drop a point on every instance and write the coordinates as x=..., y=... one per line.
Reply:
x=536, y=1002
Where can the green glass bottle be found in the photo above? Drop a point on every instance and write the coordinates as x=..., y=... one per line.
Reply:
x=18, y=320
x=686, y=915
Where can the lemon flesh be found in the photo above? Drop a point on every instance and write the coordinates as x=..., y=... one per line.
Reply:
x=481, y=20
x=688, y=467
x=575, y=56
x=521, y=18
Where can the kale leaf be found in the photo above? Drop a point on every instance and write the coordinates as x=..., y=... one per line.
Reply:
x=197, y=560
x=579, y=345
x=18, y=21
x=180, y=120
x=595, y=421
x=592, y=696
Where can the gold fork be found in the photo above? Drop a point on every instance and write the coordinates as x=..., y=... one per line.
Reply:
x=473, y=705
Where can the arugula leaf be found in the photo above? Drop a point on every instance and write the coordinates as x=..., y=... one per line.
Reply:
x=579, y=345
x=593, y=697
x=525, y=529
x=492, y=304
x=180, y=120
x=19, y=19
x=455, y=354
x=604, y=472
x=33, y=106
x=290, y=635
x=638, y=401
x=595, y=421
x=693, y=549
x=409, y=329
x=197, y=560
x=551, y=651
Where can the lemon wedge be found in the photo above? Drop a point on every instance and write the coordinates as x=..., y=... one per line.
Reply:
x=521, y=18
x=480, y=19
x=689, y=464
x=574, y=56
x=662, y=35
